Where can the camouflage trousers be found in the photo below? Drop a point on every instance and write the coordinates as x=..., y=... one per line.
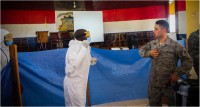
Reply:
x=155, y=95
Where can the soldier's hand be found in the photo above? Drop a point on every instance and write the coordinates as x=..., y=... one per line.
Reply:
x=174, y=78
x=154, y=53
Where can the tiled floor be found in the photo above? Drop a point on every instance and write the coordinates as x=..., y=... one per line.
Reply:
x=141, y=102
x=129, y=103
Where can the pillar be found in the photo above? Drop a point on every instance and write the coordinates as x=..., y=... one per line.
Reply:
x=180, y=15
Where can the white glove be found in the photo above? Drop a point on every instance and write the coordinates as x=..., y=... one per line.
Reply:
x=86, y=43
x=93, y=61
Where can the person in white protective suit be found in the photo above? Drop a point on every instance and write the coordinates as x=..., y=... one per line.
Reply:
x=77, y=65
x=6, y=40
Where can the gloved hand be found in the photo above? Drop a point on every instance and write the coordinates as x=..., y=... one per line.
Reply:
x=93, y=61
x=86, y=43
x=174, y=78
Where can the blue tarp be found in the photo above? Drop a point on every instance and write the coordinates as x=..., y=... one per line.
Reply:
x=117, y=76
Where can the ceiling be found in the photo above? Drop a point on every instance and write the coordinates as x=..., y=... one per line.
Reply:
x=94, y=5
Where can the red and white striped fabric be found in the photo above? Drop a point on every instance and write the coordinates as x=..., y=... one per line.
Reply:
x=180, y=11
x=133, y=19
x=24, y=23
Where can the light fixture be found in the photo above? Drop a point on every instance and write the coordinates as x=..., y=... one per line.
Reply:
x=170, y=1
x=74, y=4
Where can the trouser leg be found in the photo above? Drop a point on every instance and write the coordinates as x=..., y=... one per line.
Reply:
x=155, y=96
x=170, y=96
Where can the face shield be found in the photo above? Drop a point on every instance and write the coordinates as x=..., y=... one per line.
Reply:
x=8, y=40
x=87, y=35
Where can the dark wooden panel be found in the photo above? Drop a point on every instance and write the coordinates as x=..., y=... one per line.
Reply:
x=69, y=5
x=108, y=5
x=79, y=5
x=27, y=5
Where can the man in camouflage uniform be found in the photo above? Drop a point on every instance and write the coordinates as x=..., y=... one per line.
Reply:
x=193, y=49
x=164, y=53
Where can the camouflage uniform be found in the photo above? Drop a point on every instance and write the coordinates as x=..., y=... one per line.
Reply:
x=193, y=49
x=163, y=67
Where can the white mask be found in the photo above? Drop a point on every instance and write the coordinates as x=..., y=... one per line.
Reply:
x=89, y=39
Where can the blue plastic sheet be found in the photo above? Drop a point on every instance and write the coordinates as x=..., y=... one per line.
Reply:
x=42, y=74
x=117, y=76
x=6, y=86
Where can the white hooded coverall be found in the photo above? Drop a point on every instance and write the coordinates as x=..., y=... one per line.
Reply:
x=5, y=56
x=77, y=66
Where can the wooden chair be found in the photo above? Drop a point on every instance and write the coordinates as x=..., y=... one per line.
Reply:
x=65, y=38
x=42, y=39
x=117, y=40
x=109, y=40
x=123, y=40
x=54, y=40
x=22, y=44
